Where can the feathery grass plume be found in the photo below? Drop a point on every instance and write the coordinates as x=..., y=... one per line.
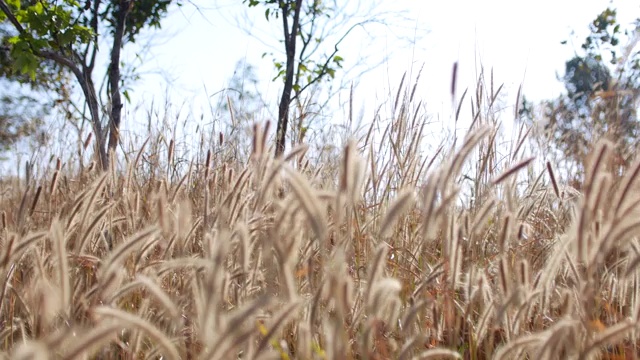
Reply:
x=481, y=217
x=238, y=328
x=505, y=277
x=523, y=273
x=236, y=190
x=521, y=140
x=54, y=181
x=400, y=205
x=258, y=145
x=245, y=246
x=5, y=286
x=31, y=350
x=173, y=264
x=86, y=341
x=624, y=195
x=14, y=251
x=96, y=191
x=395, y=104
x=553, y=340
x=592, y=179
x=437, y=354
x=184, y=225
x=375, y=270
x=207, y=166
x=553, y=179
x=153, y=288
x=409, y=345
x=351, y=175
x=505, y=234
x=473, y=138
x=162, y=207
x=506, y=351
x=21, y=209
x=391, y=281
x=87, y=141
x=99, y=216
x=600, y=156
x=142, y=325
x=429, y=207
x=213, y=284
x=75, y=209
x=132, y=167
x=116, y=257
x=277, y=322
x=178, y=187
x=384, y=294
x=170, y=153
x=512, y=170
x=307, y=199
x=486, y=319
x=298, y=151
x=58, y=239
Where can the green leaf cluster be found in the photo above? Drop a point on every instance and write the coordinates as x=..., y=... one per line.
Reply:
x=47, y=26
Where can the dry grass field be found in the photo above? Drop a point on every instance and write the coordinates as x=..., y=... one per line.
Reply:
x=388, y=251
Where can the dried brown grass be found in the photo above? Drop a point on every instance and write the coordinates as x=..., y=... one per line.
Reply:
x=391, y=251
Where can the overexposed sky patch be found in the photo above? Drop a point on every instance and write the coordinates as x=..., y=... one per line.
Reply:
x=194, y=55
x=519, y=40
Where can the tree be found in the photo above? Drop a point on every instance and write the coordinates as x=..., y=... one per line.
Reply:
x=22, y=106
x=602, y=92
x=305, y=27
x=64, y=36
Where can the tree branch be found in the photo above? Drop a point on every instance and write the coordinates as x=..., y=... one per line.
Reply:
x=325, y=66
x=94, y=26
x=5, y=9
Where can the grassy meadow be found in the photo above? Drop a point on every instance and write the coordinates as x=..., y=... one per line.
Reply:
x=474, y=248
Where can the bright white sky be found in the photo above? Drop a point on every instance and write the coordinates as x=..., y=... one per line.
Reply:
x=520, y=40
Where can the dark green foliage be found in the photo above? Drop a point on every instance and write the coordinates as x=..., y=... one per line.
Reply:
x=45, y=43
x=143, y=14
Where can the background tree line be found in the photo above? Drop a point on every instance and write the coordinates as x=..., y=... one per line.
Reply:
x=601, y=99
x=50, y=47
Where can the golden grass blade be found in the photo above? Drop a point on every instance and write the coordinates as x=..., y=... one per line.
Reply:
x=307, y=198
x=13, y=253
x=553, y=180
x=89, y=340
x=611, y=335
x=60, y=247
x=403, y=202
x=276, y=324
x=35, y=200
x=438, y=354
x=513, y=170
x=122, y=250
x=31, y=350
x=298, y=152
x=131, y=320
x=506, y=352
x=153, y=288
x=95, y=192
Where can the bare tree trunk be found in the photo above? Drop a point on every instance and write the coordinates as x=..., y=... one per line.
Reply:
x=114, y=75
x=88, y=88
x=290, y=36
